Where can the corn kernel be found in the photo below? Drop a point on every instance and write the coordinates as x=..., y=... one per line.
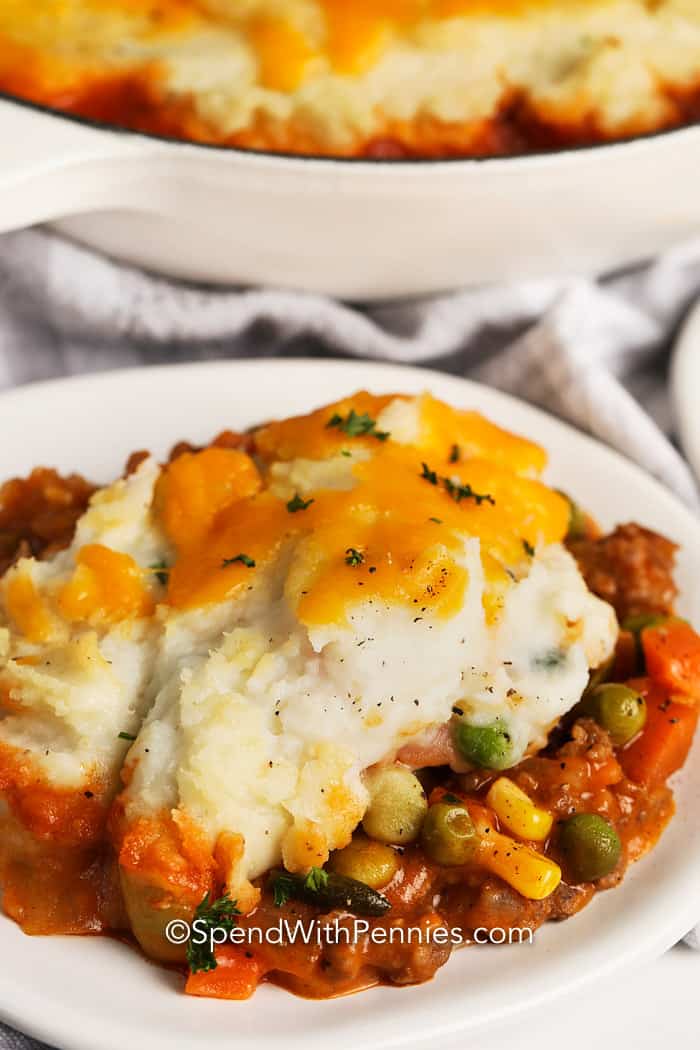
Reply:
x=530, y=873
x=517, y=812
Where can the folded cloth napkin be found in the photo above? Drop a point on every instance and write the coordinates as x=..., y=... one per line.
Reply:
x=595, y=353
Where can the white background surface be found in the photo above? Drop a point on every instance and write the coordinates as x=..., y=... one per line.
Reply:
x=642, y=1009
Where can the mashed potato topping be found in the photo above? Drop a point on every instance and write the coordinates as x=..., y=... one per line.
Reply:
x=377, y=77
x=257, y=630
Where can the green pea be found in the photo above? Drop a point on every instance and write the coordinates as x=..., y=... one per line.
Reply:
x=577, y=519
x=619, y=710
x=490, y=747
x=365, y=861
x=591, y=846
x=449, y=836
x=397, y=805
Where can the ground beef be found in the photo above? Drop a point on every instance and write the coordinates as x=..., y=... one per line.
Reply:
x=38, y=514
x=245, y=442
x=587, y=740
x=567, y=900
x=499, y=907
x=631, y=568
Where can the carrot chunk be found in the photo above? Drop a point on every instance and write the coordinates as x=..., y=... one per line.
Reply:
x=236, y=976
x=672, y=654
x=663, y=745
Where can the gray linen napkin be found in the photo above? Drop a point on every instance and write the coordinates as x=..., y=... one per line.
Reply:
x=595, y=353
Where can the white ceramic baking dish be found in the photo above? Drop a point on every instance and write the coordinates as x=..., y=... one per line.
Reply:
x=355, y=229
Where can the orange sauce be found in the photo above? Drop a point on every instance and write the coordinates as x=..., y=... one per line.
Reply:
x=55, y=872
x=172, y=853
x=63, y=815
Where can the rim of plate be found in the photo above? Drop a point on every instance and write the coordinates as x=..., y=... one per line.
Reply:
x=685, y=384
x=613, y=937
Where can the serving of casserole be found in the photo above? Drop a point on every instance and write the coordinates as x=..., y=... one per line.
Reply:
x=358, y=672
x=371, y=78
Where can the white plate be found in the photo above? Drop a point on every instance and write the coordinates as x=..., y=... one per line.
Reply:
x=354, y=229
x=685, y=387
x=95, y=994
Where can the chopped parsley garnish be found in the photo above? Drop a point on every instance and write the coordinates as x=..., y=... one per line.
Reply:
x=286, y=886
x=161, y=572
x=438, y=521
x=529, y=549
x=126, y=736
x=345, y=452
x=297, y=503
x=243, y=558
x=456, y=491
x=283, y=887
x=316, y=880
x=219, y=914
x=353, y=557
x=357, y=425
x=455, y=454
x=460, y=492
x=429, y=475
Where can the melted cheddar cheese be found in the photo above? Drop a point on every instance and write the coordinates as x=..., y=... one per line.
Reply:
x=400, y=516
x=374, y=77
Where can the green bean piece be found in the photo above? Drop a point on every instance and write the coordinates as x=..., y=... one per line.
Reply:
x=489, y=747
x=330, y=891
x=449, y=836
x=591, y=846
x=619, y=710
